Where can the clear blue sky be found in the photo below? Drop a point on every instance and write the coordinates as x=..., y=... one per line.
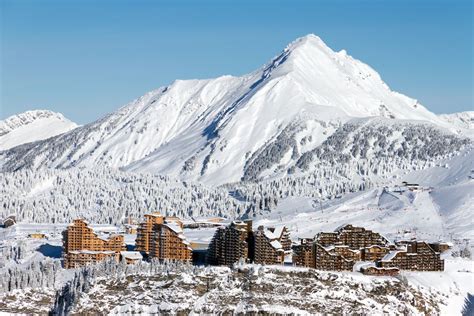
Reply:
x=87, y=58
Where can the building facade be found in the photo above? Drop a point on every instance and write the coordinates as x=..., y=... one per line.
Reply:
x=267, y=248
x=169, y=243
x=303, y=253
x=230, y=244
x=413, y=255
x=83, y=246
x=145, y=231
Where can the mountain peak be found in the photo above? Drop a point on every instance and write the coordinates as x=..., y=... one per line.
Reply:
x=308, y=44
x=31, y=126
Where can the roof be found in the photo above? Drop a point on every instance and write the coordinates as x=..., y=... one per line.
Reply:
x=133, y=255
x=174, y=227
x=276, y=244
x=270, y=235
x=278, y=231
x=389, y=256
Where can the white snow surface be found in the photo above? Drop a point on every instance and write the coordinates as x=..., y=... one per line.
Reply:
x=207, y=130
x=32, y=126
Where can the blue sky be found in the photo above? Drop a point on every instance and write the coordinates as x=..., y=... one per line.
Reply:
x=87, y=58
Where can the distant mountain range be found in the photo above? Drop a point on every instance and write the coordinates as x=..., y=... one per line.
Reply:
x=283, y=118
x=32, y=126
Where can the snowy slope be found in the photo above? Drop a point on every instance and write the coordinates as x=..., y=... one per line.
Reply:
x=32, y=126
x=462, y=121
x=208, y=130
x=444, y=213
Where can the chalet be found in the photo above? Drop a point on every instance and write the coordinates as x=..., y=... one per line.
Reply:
x=283, y=235
x=374, y=252
x=131, y=257
x=9, y=221
x=37, y=236
x=336, y=258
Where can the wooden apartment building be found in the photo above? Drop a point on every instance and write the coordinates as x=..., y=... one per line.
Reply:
x=413, y=255
x=169, y=243
x=303, y=253
x=230, y=244
x=82, y=246
x=145, y=231
x=267, y=248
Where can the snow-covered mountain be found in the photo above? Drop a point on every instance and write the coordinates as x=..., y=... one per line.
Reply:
x=32, y=126
x=217, y=131
x=462, y=121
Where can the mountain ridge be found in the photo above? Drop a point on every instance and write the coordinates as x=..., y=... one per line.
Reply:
x=32, y=126
x=208, y=130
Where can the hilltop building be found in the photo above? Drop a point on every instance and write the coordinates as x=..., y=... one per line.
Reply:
x=82, y=246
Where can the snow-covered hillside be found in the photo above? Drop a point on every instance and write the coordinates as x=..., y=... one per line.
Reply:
x=464, y=120
x=32, y=126
x=213, y=130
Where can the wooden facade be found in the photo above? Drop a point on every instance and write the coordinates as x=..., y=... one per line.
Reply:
x=413, y=255
x=373, y=270
x=145, y=231
x=336, y=258
x=230, y=244
x=169, y=243
x=374, y=253
x=267, y=247
x=83, y=246
x=283, y=235
x=352, y=236
x=303, y=253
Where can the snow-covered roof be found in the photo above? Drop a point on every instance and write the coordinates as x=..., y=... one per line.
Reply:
x=174, y=227
x=132, y=255
x=278, y=231
x=276, y=244
x=389, y=256
x=269, y=234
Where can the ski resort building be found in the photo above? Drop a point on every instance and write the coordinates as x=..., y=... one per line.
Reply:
x=267, y=248
x=282, y=233
x=169, y=243
x=341, y=249
x=303, y=253
x=145, y=230
x=230, y=244
x=82, y=246
x=413, y=255
x=337, y=258
x=131, y=257
x=371, y=269
x=352, y=236
x=9, y=221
